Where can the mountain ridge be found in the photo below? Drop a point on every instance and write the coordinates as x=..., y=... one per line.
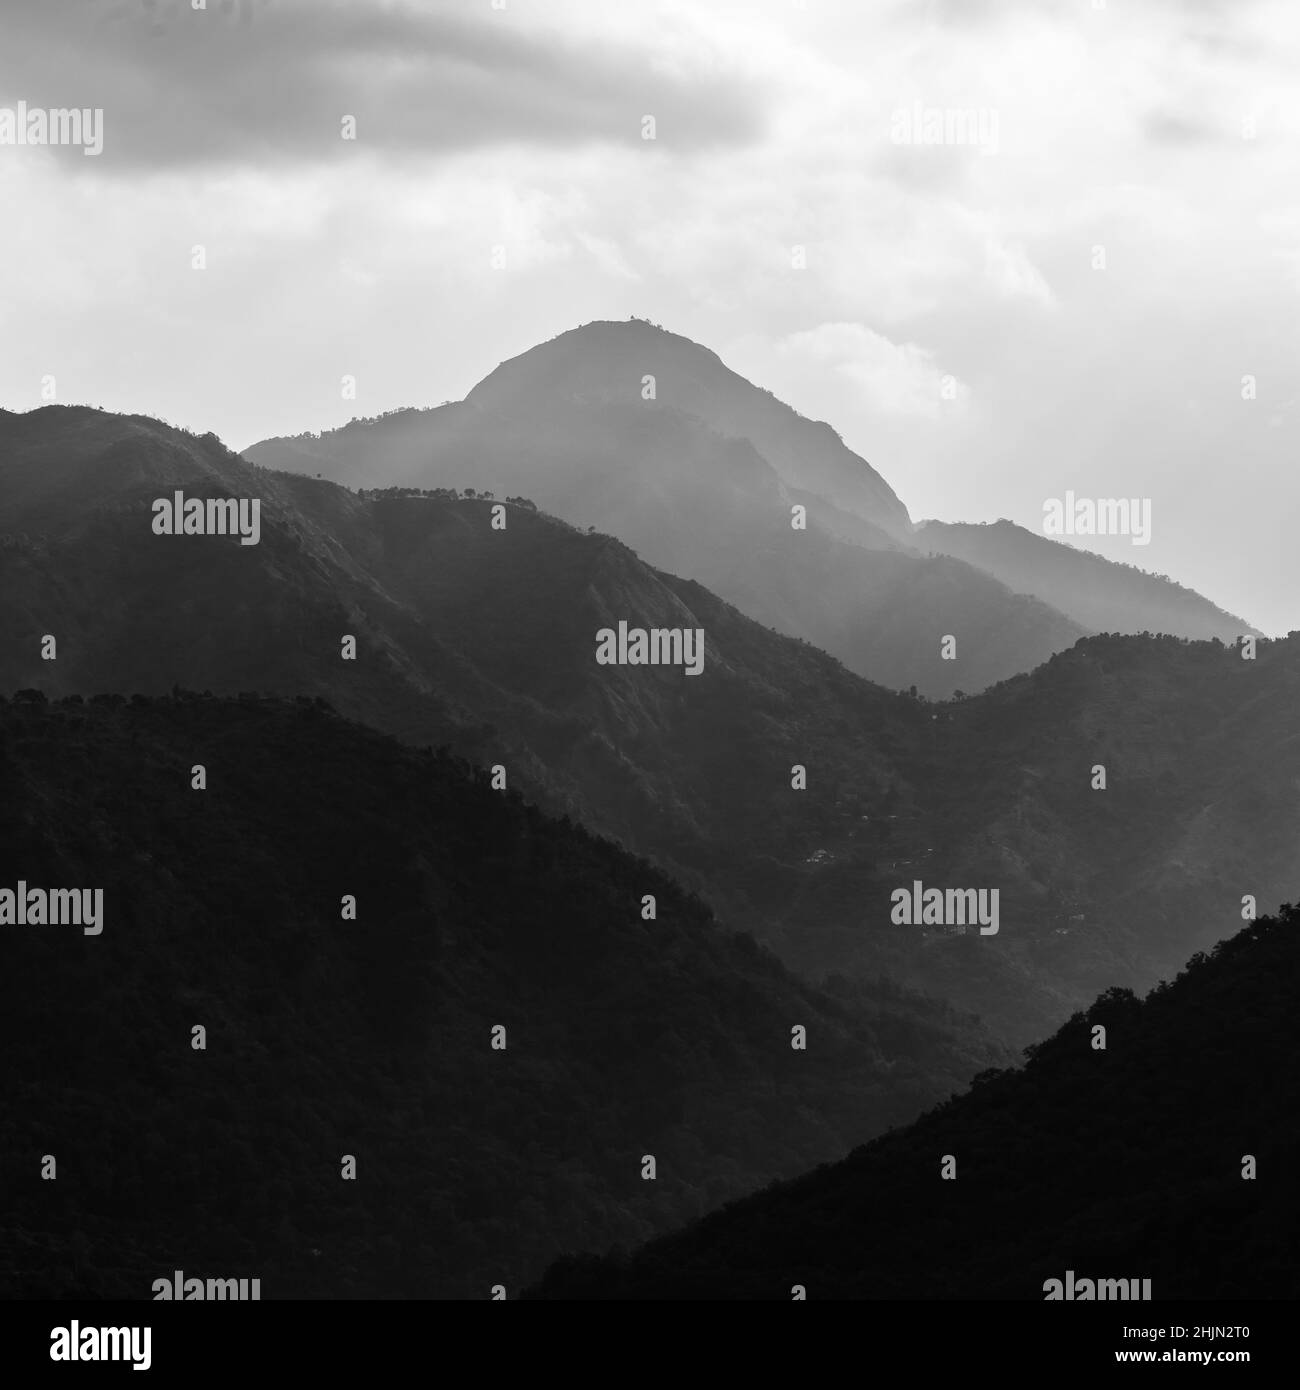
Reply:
x=1101, y=594
x=690, y=491
x=701, y=476
x=485, y=640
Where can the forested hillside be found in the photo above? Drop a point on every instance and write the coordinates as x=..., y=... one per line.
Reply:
x=1169, y=1154
x=326, y=1036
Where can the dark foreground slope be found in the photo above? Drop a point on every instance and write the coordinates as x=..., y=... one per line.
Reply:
x=328, y=1037
x=1125, y=1163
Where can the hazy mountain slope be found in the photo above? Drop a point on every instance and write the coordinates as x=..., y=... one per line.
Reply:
x=482, y=639
x=1096, y=887
x=690, y=488
x=451, y=617
x=846, y=526
x=1098, y=593
x=607, y=362
x=486, y=639
x=1107, y=1163
x=372, y=1037
x=1116, y=886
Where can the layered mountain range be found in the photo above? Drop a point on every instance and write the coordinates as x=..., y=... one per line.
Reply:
x=441, y=579
x=485, y=640
x=649, y=437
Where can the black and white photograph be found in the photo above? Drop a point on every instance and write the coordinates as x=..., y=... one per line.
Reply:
x=649, y=652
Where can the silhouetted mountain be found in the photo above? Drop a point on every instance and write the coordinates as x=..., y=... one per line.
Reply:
x=485, y=639
x=701, y=481
x=1098, y=593
x=1123, y=1163
x=326, y=1036
x=132, y=610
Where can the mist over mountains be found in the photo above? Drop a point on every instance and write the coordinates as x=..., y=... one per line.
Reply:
x=484, y=640
x=1100, y=594
x=696, y=791
x=1126, y=800
x=700, y=480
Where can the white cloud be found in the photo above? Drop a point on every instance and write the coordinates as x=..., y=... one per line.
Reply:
x=1117, y=127
x=895, y=378
x=1010, y=271
x=606, y=254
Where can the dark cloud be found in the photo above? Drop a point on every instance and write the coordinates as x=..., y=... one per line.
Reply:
x=267, y=81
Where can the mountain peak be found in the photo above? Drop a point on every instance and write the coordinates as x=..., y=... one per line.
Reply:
x=638, y=363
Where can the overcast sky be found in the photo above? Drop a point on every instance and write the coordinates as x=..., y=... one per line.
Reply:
x=1163, y=131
